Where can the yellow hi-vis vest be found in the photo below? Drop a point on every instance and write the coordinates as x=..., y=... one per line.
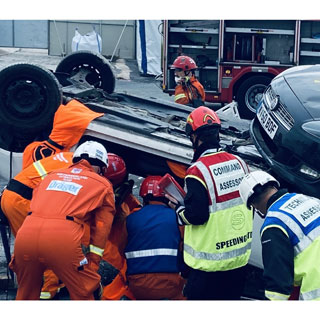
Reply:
x=224, y=241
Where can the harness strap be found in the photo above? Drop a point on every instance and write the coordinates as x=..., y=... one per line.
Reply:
x=20, y=188
x=55, y=144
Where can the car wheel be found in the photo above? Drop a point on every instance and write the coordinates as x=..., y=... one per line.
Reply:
x=89, y=67
x=249, y=94
x=29, y=97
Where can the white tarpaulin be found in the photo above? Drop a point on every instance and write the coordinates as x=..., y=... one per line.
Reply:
x=149, y=47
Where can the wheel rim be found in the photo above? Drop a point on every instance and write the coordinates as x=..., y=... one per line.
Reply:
x=253, y=96
x=24, y=98
x=86, y=73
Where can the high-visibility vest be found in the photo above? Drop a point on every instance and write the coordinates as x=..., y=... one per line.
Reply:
x=224, y=241
x=153, y=241
x=298, y=216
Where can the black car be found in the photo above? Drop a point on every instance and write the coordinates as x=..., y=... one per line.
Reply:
x=286, y=129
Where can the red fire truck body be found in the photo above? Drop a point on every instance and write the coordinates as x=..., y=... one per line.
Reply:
x=237, y=59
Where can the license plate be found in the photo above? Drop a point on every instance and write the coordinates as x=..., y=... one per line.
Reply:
x=267, y=123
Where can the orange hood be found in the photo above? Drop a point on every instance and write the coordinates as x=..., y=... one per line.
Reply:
x=70, y=122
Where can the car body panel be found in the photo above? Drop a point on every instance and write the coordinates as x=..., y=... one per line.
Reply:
x=291, y=105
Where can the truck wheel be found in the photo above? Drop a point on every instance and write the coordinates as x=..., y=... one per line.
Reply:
x=86, y=66
x=249, y=94
x=29, y=97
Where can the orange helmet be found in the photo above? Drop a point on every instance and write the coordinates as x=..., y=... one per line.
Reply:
x=150, y=186
x=185, y=63
x=200, y=118
x=116, y=171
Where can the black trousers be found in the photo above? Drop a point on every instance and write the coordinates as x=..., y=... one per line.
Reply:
x=219, y=285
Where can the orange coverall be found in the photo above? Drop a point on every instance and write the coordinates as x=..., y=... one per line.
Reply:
x=70, y=122
x=114, y=251
x=187, y=92
x=51, y=236
x=15, y=203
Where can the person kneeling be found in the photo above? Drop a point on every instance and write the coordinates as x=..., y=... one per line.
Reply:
x=153, y=254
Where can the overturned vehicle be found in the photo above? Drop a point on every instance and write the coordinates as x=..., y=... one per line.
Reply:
x=147, y=133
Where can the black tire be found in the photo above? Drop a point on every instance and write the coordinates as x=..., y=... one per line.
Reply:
x=249, y=94
x=29, y=97
x=89, y=67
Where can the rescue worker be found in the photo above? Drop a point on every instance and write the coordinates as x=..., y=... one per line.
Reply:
x=290, y=237
x=218, y=226
x=16, y=197
x=51, y=234
x=189, y=90
x=113, y=264
x=15, y=204
x=70, y=122
x=153, y=252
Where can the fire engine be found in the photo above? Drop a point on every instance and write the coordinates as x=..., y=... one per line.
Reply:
x=237, y=59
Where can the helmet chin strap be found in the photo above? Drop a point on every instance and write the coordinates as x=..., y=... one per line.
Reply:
x=259, y=213
x=194, y=141
x=181, y=79
x=186, y=78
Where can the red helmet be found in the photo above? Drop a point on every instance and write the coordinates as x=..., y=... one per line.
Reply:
x=116, y=171
x=150, y=185
x=201, y=117
x=185, y=63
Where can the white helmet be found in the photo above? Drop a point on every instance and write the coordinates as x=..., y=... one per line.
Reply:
x=251, y=181
x=93, y=151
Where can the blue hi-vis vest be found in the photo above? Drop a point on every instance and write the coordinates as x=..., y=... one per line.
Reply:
x=298, y=216
x=153, y=241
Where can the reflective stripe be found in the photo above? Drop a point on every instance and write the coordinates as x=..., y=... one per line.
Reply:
x=197, y=178
x=225, y=205
x=275, y=226
x=40, y=169
x=209, y=152
x=179, y=96
x=307, y=240
x=151, y=253
x=96, y=250
x=183, y=218
x=304, y=240
x=311, y=295
x=216, y=256
x=209, y=182
x=60, y=157
x=244, y=165
x=275, y=295
x=45, y=295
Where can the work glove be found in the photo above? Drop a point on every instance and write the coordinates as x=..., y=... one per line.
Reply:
x=179, y=209
x=107, y=272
